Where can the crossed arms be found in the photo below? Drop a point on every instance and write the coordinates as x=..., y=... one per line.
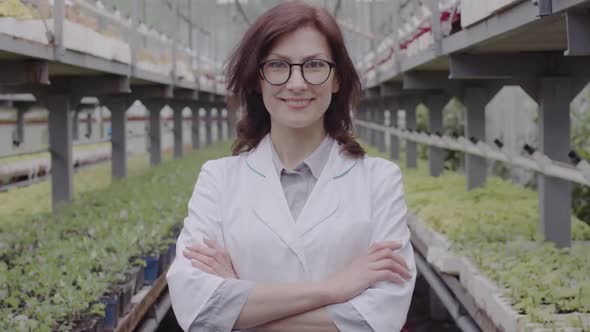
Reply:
x=301, y=306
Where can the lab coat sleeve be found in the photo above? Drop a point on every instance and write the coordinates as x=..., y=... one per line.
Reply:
x=385, y=305
x=224, y=306
x=190, y=288
x=347, y=318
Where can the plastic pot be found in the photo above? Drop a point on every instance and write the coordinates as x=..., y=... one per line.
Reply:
x=163, y=261
x=126, y=288
x=139, y=279
x=151, y=271
x=171, y=252
x=111, y=312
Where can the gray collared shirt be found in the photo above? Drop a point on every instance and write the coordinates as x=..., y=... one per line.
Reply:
x=226, y=303
x=299, y=182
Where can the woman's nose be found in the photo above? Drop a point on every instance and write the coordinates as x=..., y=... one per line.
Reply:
x=296, y=81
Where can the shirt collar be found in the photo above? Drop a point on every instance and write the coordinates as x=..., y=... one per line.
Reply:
x=315, y=161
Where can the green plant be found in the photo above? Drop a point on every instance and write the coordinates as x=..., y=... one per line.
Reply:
x=495, y=227
x=70, y=259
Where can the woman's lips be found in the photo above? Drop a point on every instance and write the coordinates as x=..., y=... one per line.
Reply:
x=297, y=103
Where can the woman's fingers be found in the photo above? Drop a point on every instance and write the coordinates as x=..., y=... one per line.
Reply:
x=202, y=267
x=194, y=255
x=205, y=250
x=388, y=254
x=391, y=265
x=377, y=246
x=386, y=275
x=219, y=251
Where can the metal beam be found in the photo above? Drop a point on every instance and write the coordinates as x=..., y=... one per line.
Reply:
x=391, y=89
x=99, y=85
x=563, y=5
x=374, y=92
x=186, y=94
x=75, y=86
x=578, y=32
x=24, y=72
x=152, y=92
x=518, y=65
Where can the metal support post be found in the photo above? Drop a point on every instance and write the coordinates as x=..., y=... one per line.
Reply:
x=475, y=101
x=435, y=104
x=208, y=132
x=232, y=115
x=154, y=107
x=101, y=120
x=60, y=147
x=554, y=96
x=219, y=122
x=118, y=106
x=393, y=139
x=195, y=125
x=177, y=116
x=75, y=120
x=381, y=119
x=369, y=114
x=89, y=120
x=374, y=119
x=20, y=123
x=409, y=105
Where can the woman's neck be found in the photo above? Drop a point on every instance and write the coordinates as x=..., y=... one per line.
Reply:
x=294, y=145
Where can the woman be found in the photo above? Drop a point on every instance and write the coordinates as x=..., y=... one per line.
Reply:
x=298, y=230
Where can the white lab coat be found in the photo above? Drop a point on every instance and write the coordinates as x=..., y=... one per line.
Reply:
x=239, y=202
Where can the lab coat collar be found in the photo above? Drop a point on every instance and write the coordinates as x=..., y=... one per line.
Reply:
x=270, y=204
x=259, y=160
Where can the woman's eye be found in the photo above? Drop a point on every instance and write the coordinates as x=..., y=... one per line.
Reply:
x=315, y=64
x=277, y=65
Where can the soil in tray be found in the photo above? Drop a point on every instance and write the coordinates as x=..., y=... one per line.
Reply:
x=88, y=323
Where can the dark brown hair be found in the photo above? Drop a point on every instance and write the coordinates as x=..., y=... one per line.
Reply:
x=243, y=75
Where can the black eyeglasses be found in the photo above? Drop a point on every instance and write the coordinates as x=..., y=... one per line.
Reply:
x=314, y=71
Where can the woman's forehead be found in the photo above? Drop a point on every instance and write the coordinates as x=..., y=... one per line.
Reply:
x=301, y=44
x=291, y=58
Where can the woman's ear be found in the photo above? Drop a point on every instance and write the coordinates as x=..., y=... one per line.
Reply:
x=336, y=85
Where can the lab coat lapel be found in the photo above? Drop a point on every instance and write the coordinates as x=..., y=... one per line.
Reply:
x=326, y=194
x=269, y=202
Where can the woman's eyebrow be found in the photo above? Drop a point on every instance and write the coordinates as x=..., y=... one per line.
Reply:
x=288, y=58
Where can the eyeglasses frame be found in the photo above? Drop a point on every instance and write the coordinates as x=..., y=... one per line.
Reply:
x=291, y=65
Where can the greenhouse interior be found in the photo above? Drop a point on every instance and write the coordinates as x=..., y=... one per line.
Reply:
x=110, y=108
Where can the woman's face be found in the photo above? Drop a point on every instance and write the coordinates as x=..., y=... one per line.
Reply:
x=297, y=103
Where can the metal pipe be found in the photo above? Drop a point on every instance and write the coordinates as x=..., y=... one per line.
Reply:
x=538, y=162
x=42, y=150
x=464, y=322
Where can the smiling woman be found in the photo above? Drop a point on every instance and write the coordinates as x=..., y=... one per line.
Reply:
x=299, y=230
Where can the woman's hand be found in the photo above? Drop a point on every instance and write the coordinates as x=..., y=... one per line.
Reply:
x=379, y=264
x=211, y=258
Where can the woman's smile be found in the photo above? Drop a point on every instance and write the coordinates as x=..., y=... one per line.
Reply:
x=297, y=103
